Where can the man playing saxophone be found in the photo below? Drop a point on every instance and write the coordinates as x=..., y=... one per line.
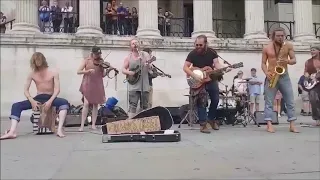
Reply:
x=274, y=64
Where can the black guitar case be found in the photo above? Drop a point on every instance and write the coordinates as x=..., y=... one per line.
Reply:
x=166, y=122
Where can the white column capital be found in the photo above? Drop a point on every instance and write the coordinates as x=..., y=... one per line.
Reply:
x=202, y=19
x=254, y=20
x=26, y=18
x=89, y=18
x=148, y=20
x=302, y=13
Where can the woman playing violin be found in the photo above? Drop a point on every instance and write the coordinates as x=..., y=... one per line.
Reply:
x=92, y=87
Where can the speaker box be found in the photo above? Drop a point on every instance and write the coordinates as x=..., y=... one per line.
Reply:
x=259, y=117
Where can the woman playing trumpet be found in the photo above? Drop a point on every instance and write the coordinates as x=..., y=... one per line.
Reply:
x=92, y=87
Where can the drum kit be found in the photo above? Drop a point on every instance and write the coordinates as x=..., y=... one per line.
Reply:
x=234, y=109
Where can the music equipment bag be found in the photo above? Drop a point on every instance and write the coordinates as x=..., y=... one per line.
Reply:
x=106, y=115
x=73, y=118
x=147, y=126
x=259, y=117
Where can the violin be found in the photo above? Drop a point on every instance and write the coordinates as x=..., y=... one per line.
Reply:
x=107, y=66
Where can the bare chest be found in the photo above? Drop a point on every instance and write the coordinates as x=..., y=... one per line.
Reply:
x=316, y=64
x=43, y=78
x=277, y=53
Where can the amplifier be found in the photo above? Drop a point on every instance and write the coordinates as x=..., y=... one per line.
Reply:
x=259, y=118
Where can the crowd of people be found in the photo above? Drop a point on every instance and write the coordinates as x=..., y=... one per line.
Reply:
x=117, y=19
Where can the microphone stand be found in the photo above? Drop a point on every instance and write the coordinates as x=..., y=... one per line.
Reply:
x=224, y=61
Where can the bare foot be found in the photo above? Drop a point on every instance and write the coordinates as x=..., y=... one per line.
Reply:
x=60, y=134
x=93, y=127
x=270, y=129
x=8, y=135
x=294, y=130
x=80, y=129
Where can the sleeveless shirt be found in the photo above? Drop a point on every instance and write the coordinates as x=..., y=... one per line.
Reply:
x=143, y=82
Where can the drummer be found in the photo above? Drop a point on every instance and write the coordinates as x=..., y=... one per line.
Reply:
x=240, y=87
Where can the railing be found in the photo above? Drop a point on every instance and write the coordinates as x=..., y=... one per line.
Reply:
x=122, y=27
x=227, y=28
x=176, y=27
x=288, y=26
x=4, y=26
x=60, y=22
x=317, y=30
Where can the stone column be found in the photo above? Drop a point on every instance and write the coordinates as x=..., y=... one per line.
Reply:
x=26, y=17
x=89, y=18
x=202, y=18
x=254, y=19
x=302, y=14
x=148, y=19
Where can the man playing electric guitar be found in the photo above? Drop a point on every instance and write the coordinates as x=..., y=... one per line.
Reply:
x=203, y=56
x=312, y=66
x=139, y=90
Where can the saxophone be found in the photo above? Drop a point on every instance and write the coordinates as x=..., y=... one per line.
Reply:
x=278, y=70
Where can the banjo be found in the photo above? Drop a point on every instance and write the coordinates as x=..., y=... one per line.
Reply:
x=207, y=74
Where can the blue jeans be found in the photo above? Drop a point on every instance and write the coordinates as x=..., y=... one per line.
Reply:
x=212, y=89
x=18, y=107
x=285, y=87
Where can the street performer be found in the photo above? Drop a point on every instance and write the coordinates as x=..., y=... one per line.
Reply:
x=201, y=57
x=276, y=53
x=140, y=90
x=48, y=87
x=92, y=87
x=312, y=66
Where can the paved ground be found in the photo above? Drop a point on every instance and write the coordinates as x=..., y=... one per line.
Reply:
x=231, y=153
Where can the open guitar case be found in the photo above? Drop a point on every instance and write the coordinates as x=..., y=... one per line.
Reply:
x=166, y=122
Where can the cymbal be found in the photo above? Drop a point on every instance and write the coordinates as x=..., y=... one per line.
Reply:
x=247, y=79
x=243, y=82
x=186, y=95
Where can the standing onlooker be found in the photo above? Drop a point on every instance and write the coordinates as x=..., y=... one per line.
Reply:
x=168, y=15
x=254, y=90
x=304, y=96
x=127, y=25
x=161, y=21
x=67, y=11
x=56, y=17
x=121, y=12
x=134, y=22
x=3, y=20
x=44, y=13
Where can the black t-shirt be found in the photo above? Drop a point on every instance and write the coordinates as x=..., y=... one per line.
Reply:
x=202, y=60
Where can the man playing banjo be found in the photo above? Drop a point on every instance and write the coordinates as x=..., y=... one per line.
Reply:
x=139, y=90
x=201, y=57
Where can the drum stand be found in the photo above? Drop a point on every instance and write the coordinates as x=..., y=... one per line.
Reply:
x=247, y=116
x=191, y=115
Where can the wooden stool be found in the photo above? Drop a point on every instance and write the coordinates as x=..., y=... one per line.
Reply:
x=44, y=122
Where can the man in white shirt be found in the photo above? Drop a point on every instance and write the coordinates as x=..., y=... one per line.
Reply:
x=255, y=90
x=68, y=18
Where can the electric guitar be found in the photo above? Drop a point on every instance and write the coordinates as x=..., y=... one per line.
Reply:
x=208, y=74
x=312, y=81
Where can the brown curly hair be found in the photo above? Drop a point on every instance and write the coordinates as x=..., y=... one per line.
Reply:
x=38, y=56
